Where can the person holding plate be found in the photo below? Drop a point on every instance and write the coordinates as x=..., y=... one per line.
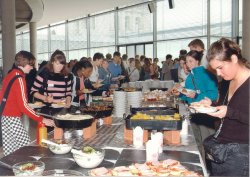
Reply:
x=231, y=141
x=199, y=84
x=53, y=84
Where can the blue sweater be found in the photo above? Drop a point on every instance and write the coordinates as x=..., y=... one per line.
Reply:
x=205, y=82
x=106, y=77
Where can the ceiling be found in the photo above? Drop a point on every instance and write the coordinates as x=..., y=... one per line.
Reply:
x=60, y=10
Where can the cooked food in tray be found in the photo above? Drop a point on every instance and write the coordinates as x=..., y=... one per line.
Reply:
x=156, y=95
x=97, y=108
x=167, y=167
x=74, y=117
x=140, y=116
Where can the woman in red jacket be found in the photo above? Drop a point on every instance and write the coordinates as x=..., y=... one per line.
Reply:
x=13, y=133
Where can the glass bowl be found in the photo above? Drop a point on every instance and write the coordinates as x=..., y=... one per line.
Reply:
x=29, y=168
x=62, y=172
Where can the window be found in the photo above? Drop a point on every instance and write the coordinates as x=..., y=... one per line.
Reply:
x=26, y=41
x=18, y=42
x=187, y=19
x=135, y=25
x=102, y=30
x=221, y=18
x=77, y=54
x=57, y=35
x=42, y=41
x=77, y=34
x=103, y=50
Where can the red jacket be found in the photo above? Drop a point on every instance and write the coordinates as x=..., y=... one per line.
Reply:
x=17, y=104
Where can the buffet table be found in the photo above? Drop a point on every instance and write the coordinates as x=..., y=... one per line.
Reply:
x=117, y=152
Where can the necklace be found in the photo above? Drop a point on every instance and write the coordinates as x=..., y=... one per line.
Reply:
x=222, y=120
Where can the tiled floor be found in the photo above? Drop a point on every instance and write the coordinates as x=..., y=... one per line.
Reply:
x=30, y=126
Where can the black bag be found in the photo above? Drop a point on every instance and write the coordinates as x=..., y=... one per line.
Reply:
x=3, y=103
x=218, y=152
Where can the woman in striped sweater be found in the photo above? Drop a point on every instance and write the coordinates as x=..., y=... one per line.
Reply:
x=54, y=83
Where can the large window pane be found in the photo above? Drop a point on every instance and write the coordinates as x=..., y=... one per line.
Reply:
x=240, y=17
x=149, y=50
x=187, y=19
x=57, y=34
x=26, y=41
x=77, y=34
x=135, y=25
x=18, y=42
x=139, y=49
x=77, y=54
x=102, y=30
x=103, y=50
x=221, y=17
x=173, y=47
x=42, y=57
x=122, y=50
x=42, y=40
x=131, y=51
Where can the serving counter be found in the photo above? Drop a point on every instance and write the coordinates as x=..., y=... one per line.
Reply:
x=117, y=152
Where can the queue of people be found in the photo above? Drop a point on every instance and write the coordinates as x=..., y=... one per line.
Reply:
x=223, y=145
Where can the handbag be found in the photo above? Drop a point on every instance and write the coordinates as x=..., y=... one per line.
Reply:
x=218, y=152
x=3, y=102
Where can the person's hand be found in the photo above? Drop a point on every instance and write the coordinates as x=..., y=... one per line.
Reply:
x=221, y=113
x=206, y=101
x=49, y=122
x=49, y=99
x=115, y=79
x=175, y=92
x=96, y=85
x=191, y=95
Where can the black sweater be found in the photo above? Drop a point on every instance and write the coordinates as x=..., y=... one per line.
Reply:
x=235, y=128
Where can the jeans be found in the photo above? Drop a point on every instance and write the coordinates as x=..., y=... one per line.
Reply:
x=237, y=164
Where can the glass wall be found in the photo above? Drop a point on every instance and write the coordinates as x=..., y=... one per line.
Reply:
x=102, y=30
x=133, y=27
x=186, y=19
x=77, y=34
x=57, y=37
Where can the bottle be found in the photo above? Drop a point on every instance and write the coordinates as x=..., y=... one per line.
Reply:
x=41, y=133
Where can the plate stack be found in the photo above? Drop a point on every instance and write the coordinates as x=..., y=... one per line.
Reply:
x=120, y=103
x=134, y=99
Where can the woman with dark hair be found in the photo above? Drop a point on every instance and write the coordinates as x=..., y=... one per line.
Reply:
x=133, y=72
x=231, y=141
x=145, y=73
x=81, y=71
x=53, y=84
x=13, y=132
x=200, y=80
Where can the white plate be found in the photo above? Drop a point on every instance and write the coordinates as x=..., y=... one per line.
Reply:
x=57, y=106
x=202, y=109
x=188, y=91
x=34, y=106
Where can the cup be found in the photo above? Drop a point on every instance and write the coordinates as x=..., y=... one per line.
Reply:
x=138, y=137
x=158, y=139
x=152, y=152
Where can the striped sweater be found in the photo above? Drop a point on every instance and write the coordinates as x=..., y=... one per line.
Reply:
x=57, y=85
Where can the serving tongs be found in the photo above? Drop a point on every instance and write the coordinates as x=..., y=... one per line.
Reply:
x=46, y=115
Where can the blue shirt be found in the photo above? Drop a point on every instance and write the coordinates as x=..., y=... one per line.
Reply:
x=114, y=69
x=106, y=77
x=205, y=84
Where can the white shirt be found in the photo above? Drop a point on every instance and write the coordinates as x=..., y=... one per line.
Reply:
x=204, y=60
x=94, y=75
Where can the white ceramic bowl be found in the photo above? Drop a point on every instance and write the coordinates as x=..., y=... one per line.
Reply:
x=90, y=160
x=63, y=148
x=19, y=169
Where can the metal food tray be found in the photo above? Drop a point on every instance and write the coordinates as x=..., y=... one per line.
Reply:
x=159, y=125
x=99, y=114
x=156, y=110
